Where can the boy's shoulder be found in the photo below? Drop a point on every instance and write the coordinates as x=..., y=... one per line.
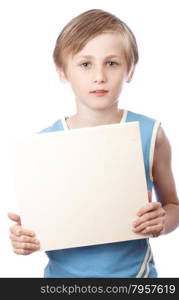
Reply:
x=149, y=126
x=141, y=117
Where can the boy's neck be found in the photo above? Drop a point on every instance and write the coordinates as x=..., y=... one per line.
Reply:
x=95, y=118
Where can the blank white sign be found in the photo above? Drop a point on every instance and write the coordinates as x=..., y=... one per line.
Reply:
x=81, y=187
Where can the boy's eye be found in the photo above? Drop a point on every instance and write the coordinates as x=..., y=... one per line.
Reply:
x=85, y=64
x=112, y=63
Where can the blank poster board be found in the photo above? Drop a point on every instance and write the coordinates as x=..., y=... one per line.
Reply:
x=81, y=187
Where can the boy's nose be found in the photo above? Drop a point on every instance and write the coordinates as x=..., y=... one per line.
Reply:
x=99, y=75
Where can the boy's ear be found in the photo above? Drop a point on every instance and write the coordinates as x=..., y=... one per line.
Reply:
x=130, y=75
x=61, y=74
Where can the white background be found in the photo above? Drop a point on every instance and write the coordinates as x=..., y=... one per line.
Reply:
x=32, y=98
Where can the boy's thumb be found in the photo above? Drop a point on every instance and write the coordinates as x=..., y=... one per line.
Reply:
x=14, y=217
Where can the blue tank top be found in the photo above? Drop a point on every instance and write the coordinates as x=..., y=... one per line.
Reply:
x=120, y=259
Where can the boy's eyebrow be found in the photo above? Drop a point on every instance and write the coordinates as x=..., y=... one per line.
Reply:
x=90, y=56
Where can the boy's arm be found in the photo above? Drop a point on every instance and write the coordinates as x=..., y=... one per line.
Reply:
x=164, y=183
x=160, y=217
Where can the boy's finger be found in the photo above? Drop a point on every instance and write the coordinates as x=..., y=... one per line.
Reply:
x=14, y=228
x=22, y=251
x=14, y=217
x=137, y=226
x=149, y=207
x=18, y=231
x=23, y=239
x=25, y=246
x=23, y=231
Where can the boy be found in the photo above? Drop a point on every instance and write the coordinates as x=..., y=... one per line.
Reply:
x=97, y=53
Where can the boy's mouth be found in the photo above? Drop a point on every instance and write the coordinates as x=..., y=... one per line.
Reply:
x=99, y=92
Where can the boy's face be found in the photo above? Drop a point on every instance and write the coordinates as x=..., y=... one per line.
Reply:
x=97, y=72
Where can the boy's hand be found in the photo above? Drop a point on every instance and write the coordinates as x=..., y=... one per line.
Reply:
x=23, y=240
x=151, y=219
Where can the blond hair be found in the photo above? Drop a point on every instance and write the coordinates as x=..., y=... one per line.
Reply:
x=76, y=34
